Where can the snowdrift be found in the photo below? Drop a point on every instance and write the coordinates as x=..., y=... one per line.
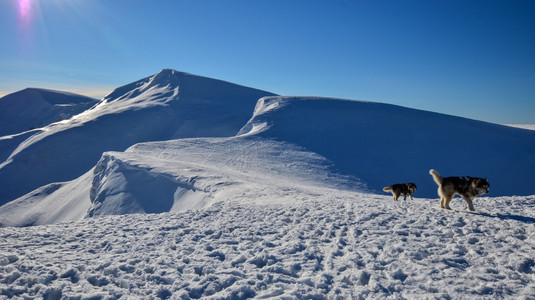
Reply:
x=179, y=175
x=167, y=105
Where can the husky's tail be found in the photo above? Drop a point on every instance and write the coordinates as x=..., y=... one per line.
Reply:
x=387, y=188
x=436, y=177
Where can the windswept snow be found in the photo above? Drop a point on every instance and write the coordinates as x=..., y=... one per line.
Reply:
x=317, y=244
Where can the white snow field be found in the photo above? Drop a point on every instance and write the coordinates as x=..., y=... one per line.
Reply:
x=316, y=243
x=198, y=193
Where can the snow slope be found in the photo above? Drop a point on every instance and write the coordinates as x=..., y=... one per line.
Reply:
x=34, y=108
x=167, y=105
x=317, y=244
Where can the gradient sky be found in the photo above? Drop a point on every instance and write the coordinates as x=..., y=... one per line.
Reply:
x=468, y=58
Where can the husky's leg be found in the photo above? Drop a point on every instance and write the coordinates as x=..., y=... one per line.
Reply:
x=442, y=199
x=447, y=201
x=469, y=204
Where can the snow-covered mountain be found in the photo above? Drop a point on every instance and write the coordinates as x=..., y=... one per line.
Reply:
x=185, y=187
x=167, y=105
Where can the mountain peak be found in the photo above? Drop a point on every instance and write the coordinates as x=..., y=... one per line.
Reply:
x=166, y=77
x=166, y=82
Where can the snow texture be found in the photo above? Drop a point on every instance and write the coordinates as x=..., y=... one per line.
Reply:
x=316, y=244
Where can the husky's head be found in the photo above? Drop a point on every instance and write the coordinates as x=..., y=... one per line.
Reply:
x=412, y=187
x=480, y=185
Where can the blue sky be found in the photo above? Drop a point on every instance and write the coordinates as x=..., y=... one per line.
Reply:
x=469, y=58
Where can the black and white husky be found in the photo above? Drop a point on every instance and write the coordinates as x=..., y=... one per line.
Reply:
x=466, y=187
x=401, y=188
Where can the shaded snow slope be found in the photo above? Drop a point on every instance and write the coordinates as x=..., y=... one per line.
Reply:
x=34, y=108
x=167, y=105
x=384, y=144
x=320, y=244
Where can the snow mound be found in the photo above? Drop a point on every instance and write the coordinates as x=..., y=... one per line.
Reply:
x=383, y=144
x=270, y=206
x=167, y=105
x=34, y=108
x=195, y=173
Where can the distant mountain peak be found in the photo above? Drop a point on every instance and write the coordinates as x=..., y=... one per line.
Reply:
x=35, y=107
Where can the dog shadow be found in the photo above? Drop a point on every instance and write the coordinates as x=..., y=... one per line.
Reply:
x=523, y=219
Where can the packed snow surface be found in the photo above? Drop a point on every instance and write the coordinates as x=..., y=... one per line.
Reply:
x=315, y=244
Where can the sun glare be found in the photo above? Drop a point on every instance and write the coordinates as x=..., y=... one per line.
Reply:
x=25, y=11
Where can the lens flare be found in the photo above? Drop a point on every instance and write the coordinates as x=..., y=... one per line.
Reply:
x=25, y=11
